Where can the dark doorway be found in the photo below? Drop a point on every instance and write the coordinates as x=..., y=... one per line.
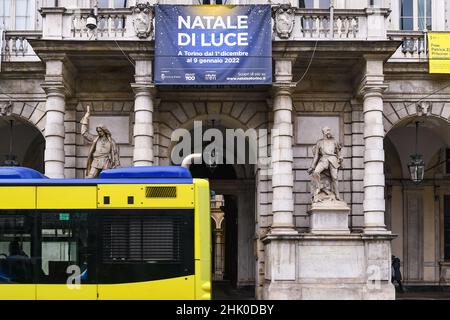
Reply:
x=447, y=227
x=231, y=231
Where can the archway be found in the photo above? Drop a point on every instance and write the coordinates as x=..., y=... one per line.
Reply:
x=21, y=144
x=231, y=180
x=416, y=212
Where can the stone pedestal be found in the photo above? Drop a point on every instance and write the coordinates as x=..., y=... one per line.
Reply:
x=328, y=267
x=330, y=217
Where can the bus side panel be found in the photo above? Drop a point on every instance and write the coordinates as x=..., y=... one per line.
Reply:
x=118, y=196
x=66, y=292
x=17, y=197
x=202, y=240
x=17, y=291
x=67, y=197
x=181, y=288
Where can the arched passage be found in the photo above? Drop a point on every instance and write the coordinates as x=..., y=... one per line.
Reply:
x=232, y=180
x=21, y=144
x=417, y=212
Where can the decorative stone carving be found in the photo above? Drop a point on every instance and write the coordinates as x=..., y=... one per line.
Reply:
x=143, y=20
x=324, y=168
x=103, y=153
x=6, y=109
x=423, y=109
x=284, y=20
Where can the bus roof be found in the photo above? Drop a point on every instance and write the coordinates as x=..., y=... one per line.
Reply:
x=130, y=175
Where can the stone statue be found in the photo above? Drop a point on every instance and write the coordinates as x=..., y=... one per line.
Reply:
x=324, y=168
x=104, y=152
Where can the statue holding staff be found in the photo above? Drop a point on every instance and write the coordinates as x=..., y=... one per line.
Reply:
x=103, y=153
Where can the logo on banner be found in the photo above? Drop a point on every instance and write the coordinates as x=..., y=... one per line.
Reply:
x=189, y=76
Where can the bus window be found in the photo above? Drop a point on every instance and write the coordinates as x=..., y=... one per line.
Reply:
x=15, y=247
x=66, y=250
x=138, y=245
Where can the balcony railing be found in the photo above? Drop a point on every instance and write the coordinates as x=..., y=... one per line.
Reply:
x=15, y=46
x=315, y=24
x=289, y=24
x=112, y=24
x=413, y=48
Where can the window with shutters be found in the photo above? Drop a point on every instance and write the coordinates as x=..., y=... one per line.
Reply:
x=142, y=238
x=143, y=245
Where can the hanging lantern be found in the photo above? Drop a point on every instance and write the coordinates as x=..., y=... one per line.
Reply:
x=416, y=168
x=416, y=165
x=211, y=163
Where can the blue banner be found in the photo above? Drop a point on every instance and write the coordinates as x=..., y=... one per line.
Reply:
x=213, y=44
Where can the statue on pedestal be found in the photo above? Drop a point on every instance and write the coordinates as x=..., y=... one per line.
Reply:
x=324, y=168
x=103, y=153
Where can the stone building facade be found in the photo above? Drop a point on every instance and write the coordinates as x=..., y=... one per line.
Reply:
x=367, y=78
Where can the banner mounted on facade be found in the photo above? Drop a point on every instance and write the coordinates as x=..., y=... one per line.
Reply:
x=213, y=44
x=439, y=52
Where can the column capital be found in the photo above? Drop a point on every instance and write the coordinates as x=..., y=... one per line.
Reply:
x=144, y=88
x=52, y=10
x=283, y=88
x=141, y=56
x=371, y=87
x=47, y=56
x=55, y=88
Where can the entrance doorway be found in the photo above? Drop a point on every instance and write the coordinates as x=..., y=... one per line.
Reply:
x=232, y=231
x=232, y=183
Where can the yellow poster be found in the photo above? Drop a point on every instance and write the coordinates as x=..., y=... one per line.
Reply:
x=439, y=52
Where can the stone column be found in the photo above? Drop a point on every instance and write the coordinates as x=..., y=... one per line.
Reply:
x=144, y=91
x=54, y=133
x=374, y=181
x=282, y=151
x=218, y=258
x=56, y=87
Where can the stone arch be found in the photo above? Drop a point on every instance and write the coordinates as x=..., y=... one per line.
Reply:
x=31, y=112
x=395, y=113
x=174, y=115
x=23, y=143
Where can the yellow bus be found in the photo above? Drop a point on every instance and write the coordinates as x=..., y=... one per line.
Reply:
x=133, y=233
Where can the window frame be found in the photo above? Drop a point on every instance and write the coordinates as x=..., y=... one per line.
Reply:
x=415, y=17
x=212, y=2
x=111, y=5
x=316, y=5
x=31, y=20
